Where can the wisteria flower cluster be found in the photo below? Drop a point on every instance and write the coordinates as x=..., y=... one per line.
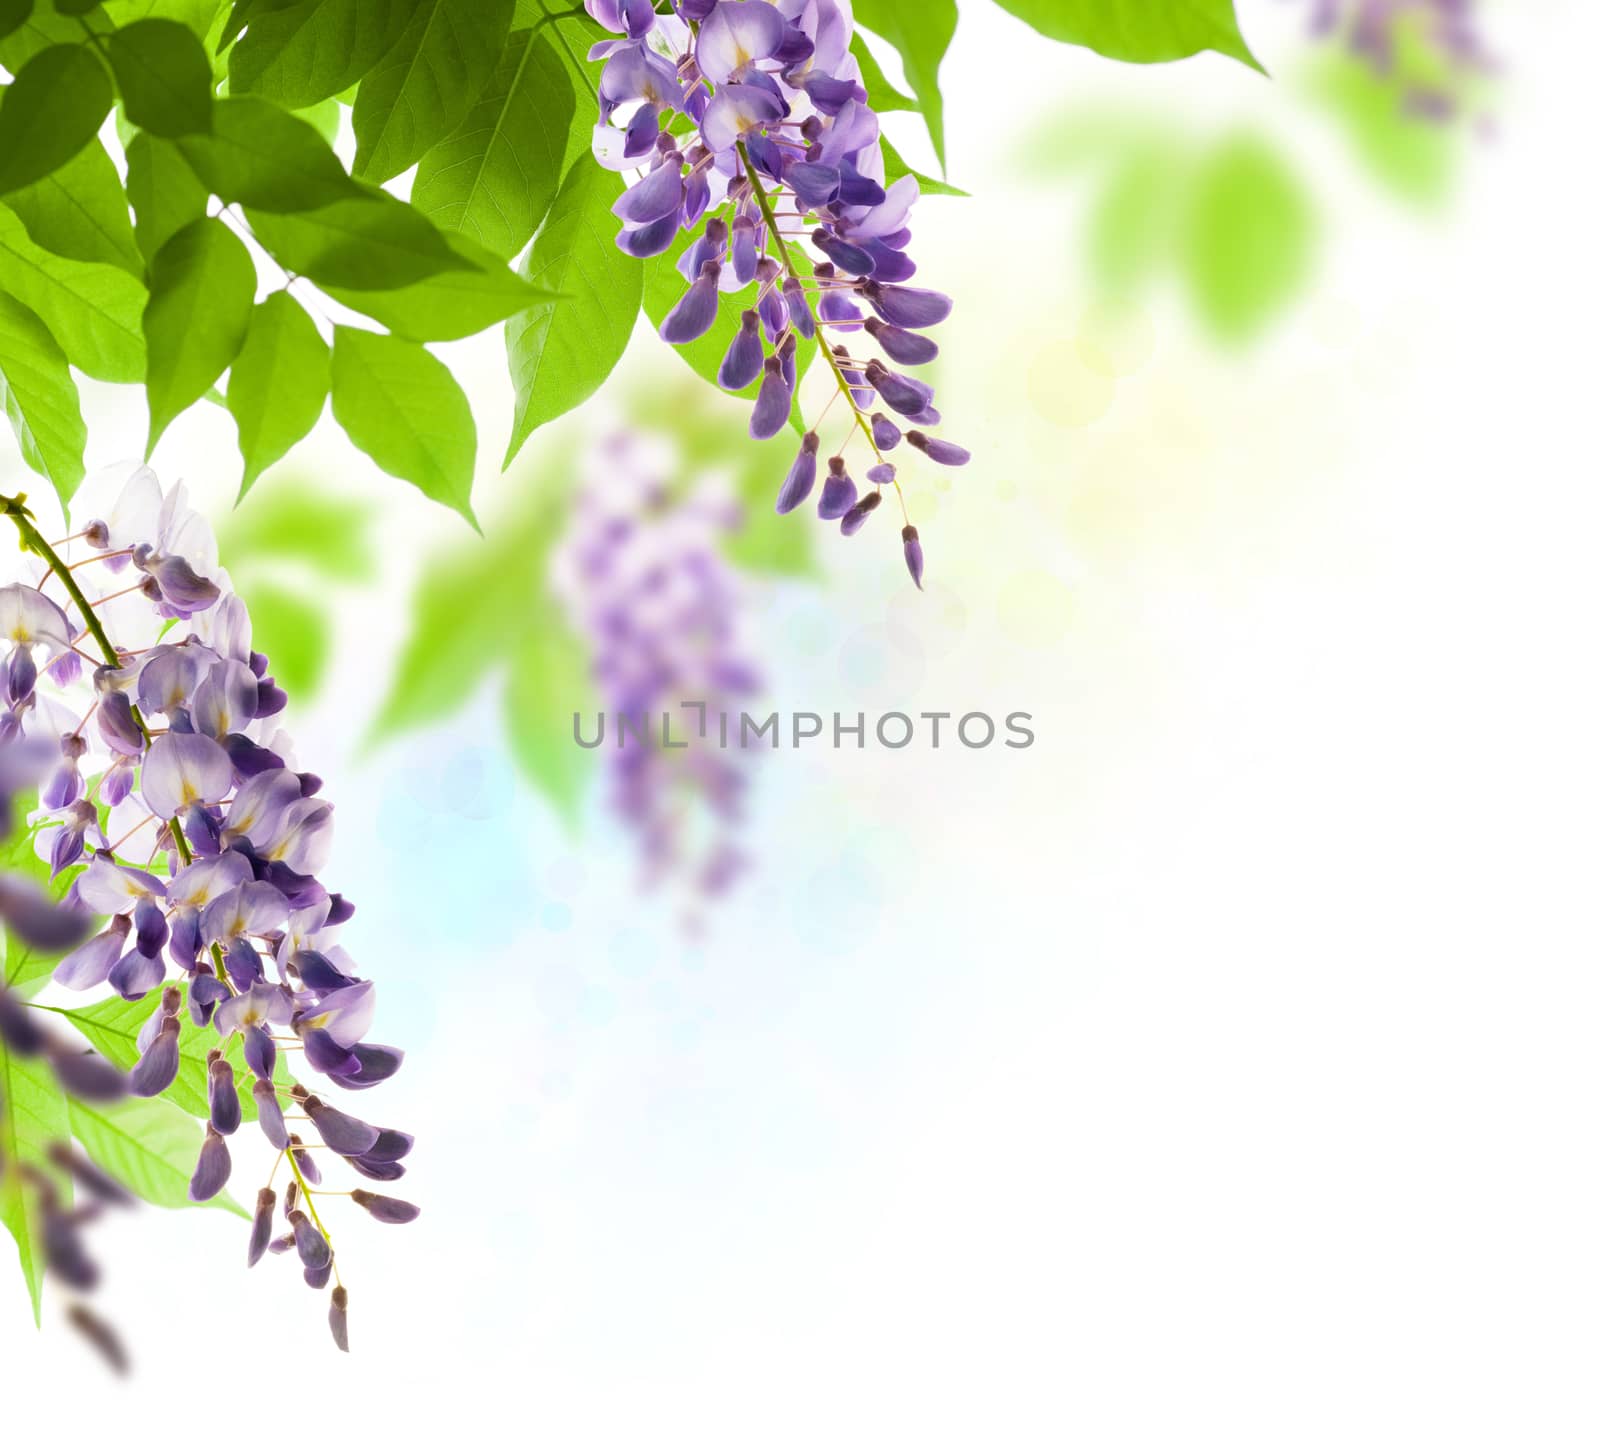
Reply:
x=783, y=173
x=1449, y=28
x=166, y=778
x=640, y=576
x=47, y=926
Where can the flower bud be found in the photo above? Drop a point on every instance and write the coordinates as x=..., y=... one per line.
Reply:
x=384, y=1209
x=261, y=1227
x=339, y=1318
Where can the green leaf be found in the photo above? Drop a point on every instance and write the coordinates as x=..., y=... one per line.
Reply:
x=199, y=15
x=303, y=53
x=293, y=633
x=202, y=287
x=419, y=92
x=41, y=400
x=402, y=408
x=149, y=1146
x=164, y=75
x=1133, y=226
x=1248, y=240
x=495, y=177
x=12, y=14
x=880, y=94
x=562, y=349
x=1415, y=158
x=26, y=967
x=163, y=190
x=33, y=1115
x=1137, y=30
x=278, y=383
x=79, y=211
x=664, y=285
x=894, y=167
x=447, y=305
x=51, y=112
x=921, y=31
x=370, y=242
x=261, y=156
x=548, y=680
x=43, y=28
x=297, y=524
x=92, y=310
x=458, y=615
x=112, y=1027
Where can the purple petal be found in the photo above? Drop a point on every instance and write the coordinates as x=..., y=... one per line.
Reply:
x=696, y=310
x=952, y=455
x=181, y=770
x=772, y=402
x=801, y=477
x=838, y=492
x=741, y=366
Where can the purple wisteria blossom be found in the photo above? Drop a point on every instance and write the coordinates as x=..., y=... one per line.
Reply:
x=644, y=585
x=170, y=795
x=781, y=177
x=1377, y=30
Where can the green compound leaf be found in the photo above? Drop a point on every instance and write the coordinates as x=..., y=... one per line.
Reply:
x=163, y=190
x=1248, y=241
x=112, y=1028
x=547, y=680
x=164, y=75
x=300, y=54
x=562, y=349
x=494, y=178
x=51, y=112
x=921, y=31
x=419, y=92
x=202, y=287
x=447, y=305
x=261, y=156
x=79, y=211
x=40, y=398
x=371, y=242
x=33, y=1115
x=149, y=1146
x=92, y=310
x=1137, y=30
x=278, y=383
x=403, y=409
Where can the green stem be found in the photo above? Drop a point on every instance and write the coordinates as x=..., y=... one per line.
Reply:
x=34, y=542
x=765, y=204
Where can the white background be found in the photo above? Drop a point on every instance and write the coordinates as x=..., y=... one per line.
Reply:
x=1220, y=1071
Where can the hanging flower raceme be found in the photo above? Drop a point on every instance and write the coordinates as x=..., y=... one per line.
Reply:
x=641, y=577
x=133, y=688
x=44, y=925
x=1434, y=45
x=783, y=172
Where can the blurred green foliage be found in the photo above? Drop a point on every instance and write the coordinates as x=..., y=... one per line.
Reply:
x=285, y=547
